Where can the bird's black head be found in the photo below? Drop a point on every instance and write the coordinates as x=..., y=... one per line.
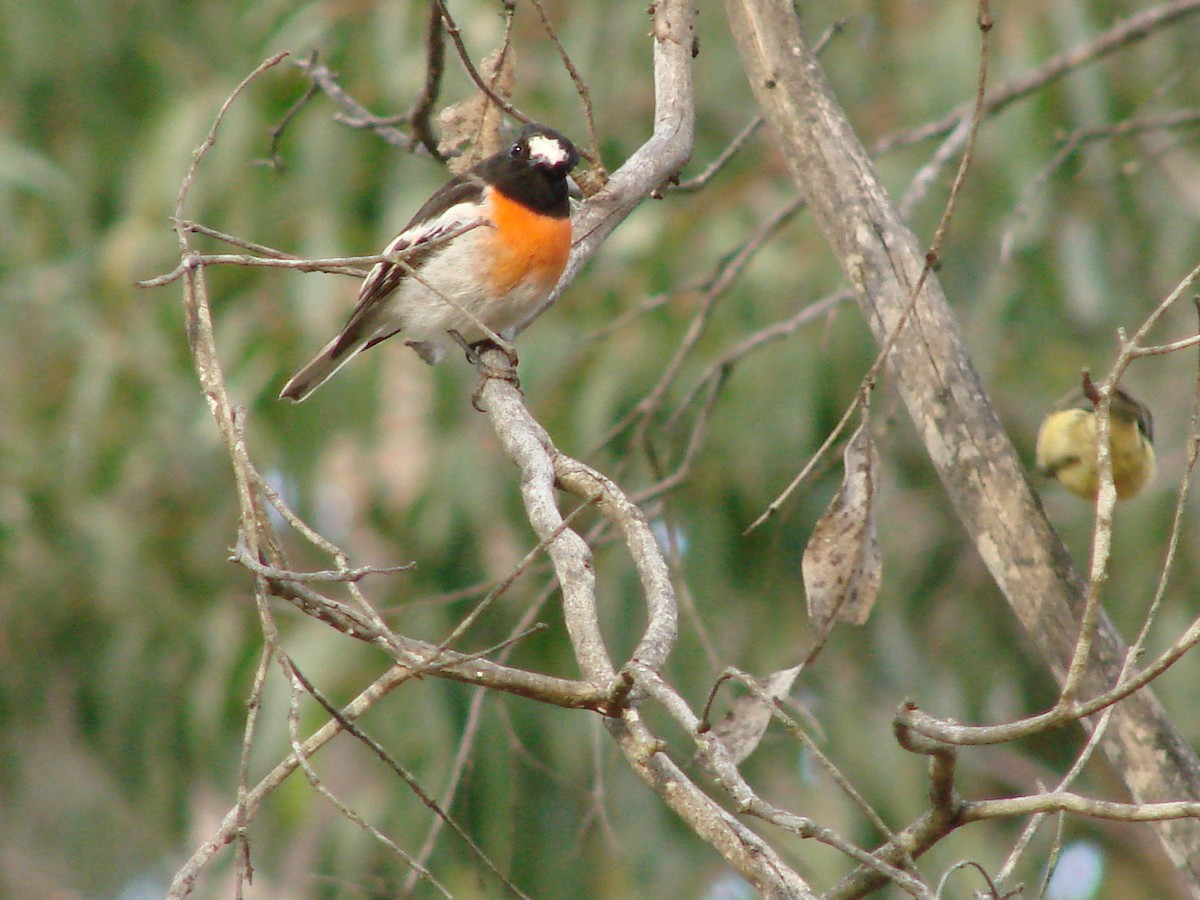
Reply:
x=545, y=149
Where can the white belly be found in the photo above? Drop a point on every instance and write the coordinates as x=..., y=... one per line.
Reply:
x=420, y=307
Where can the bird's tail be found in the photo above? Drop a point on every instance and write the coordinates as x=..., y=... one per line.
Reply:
x=322, y=367
x=332, y=357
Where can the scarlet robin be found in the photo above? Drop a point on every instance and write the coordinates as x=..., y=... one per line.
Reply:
x=511, y=224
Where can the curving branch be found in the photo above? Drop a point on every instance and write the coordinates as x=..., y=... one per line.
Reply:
x=543, y=468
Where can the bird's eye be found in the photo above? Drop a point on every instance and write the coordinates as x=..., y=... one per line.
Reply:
x=515, y=150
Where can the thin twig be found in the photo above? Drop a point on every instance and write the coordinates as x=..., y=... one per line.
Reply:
x=351, y=727
x=504, y=584
x=1128, y=31
x=338, y=265
x=1071, y=144
x=326, y=576
x=931, y=261
x=273, y=159
x=464, y=57
x=352, y=112
x=300, y=684
x=581, y=88
x=233, y=240
x=245, y=871
x=1106, y=495
x=726, y=274
x=776, y=331
x=699, y=181
x=418, y=115
x=462, y=757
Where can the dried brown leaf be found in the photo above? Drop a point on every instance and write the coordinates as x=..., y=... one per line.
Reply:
x=746, y=723
x=475, y=125
x=842, y=566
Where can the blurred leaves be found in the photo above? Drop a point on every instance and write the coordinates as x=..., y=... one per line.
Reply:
x=129, y=642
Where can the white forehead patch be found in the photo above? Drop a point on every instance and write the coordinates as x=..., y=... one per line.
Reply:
x=547, y=150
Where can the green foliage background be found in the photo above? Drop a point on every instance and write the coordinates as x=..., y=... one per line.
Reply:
x=128, y=641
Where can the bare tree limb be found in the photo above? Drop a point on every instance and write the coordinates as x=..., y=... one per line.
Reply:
x=749, y=854
x=419, y=114
x=249, y=801
x=542, y=466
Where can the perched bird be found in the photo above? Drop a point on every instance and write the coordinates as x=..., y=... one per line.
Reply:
x=1066, y=444
x=517, y=220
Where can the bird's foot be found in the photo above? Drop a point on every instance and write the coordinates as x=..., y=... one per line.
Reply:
x=487, y=371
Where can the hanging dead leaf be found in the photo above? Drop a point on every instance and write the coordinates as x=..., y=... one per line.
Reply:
x=842, y=565
x=473, y=126
x=744, y=726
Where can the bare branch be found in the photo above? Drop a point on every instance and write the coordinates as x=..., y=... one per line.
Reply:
x=408, y=778
x=543, y=466
x=698, y=181
x=581, y=88
x=419, y=114
x=273, y=159
x=755, y=859
x=249, y=801
x=299, y=684
x=240, y=555
x=464, y=57
x=1061, y=801
x=710, y=171
x=353, y=113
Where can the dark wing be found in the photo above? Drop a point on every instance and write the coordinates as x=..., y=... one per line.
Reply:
x=459, y=202
x=1145, y=421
